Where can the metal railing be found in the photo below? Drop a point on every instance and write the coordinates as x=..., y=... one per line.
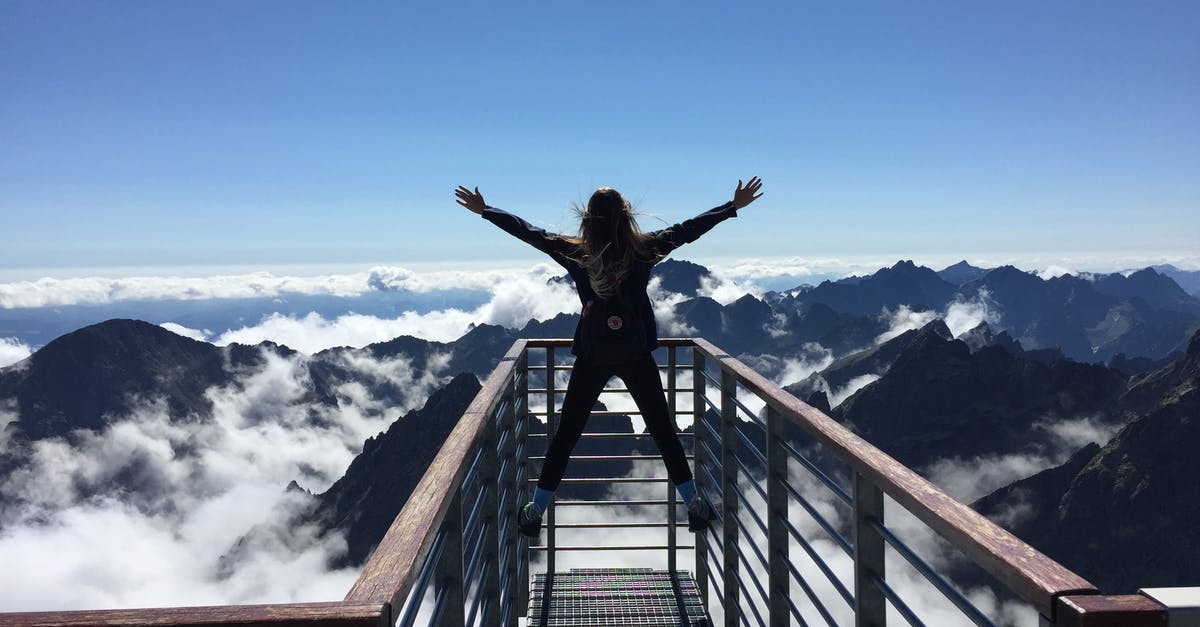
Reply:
x=453, y=556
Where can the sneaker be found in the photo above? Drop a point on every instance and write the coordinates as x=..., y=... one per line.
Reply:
x=700, y=514
x=529, y=520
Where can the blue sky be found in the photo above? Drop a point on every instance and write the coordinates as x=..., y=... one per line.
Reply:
x=255, y=133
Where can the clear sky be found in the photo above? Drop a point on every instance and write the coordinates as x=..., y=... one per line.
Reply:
x=167, y=133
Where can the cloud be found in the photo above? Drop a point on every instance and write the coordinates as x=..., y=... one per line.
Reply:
x=12, y=351
x=962, y=316
x=1054, y=270
x=54, y=292
x=201, y=335
x=726, y=289
x=904, y=319
x=514, y=302
x=1055, y=441
x=815, y=358
x=199, y=486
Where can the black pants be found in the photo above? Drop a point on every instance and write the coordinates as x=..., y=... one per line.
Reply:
x=587, y=381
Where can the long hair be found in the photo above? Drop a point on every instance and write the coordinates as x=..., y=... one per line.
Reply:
x=609, y=240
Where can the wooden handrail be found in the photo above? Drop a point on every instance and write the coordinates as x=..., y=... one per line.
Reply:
x=1034, y=577
x=291, y=614
x=396, y=561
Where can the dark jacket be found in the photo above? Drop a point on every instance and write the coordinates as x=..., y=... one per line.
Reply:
x=561, y=251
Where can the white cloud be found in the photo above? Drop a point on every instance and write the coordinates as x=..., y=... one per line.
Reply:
x=12, y=351
x=53, y=292
x=972, y=478
x=726, y=289
x=515, y=301
x=1054, y=270
x=815, y=358
x=201, y=484
x=904, y=319
x=962, y=316
x=201, y=335
x=664, y=303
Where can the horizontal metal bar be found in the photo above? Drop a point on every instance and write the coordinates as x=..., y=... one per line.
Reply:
x=766, y=598
x=759, y=521
x=943, y=586
x=609, y=503
x=596, y=412
x=565, y=367
x=762, y=458
x=820, y=562
x=751, y=415
x=560, y=392
x=713, y=484
x=841, y=540
x=896, y=601
x=610, y=480
x=682, y=434
x=812, y=594
x=594, y=458
x=611, y=525
x=631, y=547
x=427, y=570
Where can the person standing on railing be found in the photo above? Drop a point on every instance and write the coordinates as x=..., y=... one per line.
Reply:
x=610, y=261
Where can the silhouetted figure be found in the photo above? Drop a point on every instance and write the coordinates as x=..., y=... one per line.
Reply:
x=610, y=261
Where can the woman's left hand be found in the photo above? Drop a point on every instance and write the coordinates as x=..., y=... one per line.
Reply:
x=748, y=194
x=472, y=200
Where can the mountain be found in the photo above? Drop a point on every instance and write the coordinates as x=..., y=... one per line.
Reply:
x=1189, y=280
x=872, y=361
x=1157, y=290
x=1070, y=313
x=961, y=272
x=88, y=377
x=682, y=277
x=902, y=284
x=940, y=400
x=1123, y=516
x=377, y=484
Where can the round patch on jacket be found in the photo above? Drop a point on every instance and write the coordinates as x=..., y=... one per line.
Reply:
x=615, y=323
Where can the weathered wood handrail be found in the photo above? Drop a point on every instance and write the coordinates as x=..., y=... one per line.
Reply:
x=392, y=568
x=333, y=614
x=1034, y=577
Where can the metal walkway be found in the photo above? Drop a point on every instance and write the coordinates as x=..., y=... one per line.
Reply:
x=616, y=596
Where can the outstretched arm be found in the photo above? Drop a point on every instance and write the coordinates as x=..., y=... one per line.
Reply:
x=513, y=225
x=689, y=231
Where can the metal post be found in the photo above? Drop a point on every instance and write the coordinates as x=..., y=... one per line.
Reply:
x=671, y=543
x=449, y=573
x=698, y=410
x=489, y=466
x=729, y=526
x=521, y=426
x=870, y=606
x=777, y=504
x=508, y=509
x=551, y=428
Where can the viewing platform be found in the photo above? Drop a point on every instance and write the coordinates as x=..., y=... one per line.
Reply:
x=801, y=536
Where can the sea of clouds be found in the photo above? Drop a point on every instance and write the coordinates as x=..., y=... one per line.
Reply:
x=208, y=483
x=200, y=486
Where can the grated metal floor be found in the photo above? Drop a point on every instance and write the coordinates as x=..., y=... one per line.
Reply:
x=617, y=596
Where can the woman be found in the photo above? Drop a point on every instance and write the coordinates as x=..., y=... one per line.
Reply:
x=610, y=262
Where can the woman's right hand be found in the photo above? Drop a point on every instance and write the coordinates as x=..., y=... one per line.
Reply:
x=748, y=194
x=473, y=200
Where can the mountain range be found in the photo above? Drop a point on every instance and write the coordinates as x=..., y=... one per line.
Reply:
x=1119, y=350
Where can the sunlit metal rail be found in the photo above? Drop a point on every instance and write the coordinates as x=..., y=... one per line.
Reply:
x=801, y=536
